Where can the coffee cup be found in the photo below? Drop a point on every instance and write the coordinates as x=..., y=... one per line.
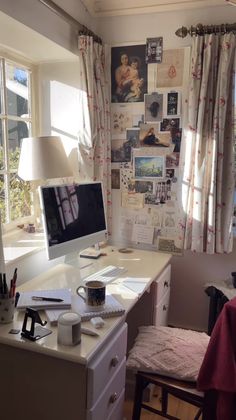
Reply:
x=94, y=294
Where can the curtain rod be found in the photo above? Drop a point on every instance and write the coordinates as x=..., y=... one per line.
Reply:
x=200, y=29
x=83, y=30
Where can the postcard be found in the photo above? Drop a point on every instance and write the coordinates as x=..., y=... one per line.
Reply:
x=149, y=167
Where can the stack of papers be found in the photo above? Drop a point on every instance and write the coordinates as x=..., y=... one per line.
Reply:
x=26, y=299
x=111, y=308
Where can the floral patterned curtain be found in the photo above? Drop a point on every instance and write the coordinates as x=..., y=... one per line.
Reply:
x=94, y=137
x=207, y=153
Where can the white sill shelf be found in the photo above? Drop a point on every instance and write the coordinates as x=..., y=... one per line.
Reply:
x=18, y=244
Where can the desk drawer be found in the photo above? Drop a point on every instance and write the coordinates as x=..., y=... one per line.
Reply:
x=109, y=402
x=101, y=370
x=163, y=283
x=161, y=310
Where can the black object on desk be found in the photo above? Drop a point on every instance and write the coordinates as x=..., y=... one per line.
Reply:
x=34, y=333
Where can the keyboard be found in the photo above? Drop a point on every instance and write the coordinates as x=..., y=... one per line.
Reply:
x=107, y=274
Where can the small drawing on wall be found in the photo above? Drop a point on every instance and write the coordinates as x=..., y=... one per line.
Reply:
x=115, y=179
x=149, y=167
x=120, y=120
x=170, y=71
x=128, y=73
x=153, y=107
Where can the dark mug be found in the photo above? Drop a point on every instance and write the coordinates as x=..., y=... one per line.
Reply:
x=94, y=294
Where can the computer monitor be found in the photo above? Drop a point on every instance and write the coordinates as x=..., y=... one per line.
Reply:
x=73, y=217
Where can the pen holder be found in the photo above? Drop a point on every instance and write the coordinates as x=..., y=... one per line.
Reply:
x=7, y=308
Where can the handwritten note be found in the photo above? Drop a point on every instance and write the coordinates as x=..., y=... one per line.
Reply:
x=143, y=234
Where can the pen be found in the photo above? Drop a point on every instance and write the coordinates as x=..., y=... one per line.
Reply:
x=47, y=299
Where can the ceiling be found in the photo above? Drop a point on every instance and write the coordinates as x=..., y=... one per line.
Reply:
x=99, y=8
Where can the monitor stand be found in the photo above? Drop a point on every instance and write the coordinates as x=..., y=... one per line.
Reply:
x=73, y=258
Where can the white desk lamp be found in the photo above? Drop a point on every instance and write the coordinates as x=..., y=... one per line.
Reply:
x=42, y=158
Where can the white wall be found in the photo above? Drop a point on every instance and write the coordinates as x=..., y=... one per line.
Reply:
x=189, y=303
x=60, y=105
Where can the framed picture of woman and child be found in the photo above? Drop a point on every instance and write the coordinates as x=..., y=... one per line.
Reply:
x=128, y=73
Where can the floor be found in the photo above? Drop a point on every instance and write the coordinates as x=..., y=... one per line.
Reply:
x=180, y=409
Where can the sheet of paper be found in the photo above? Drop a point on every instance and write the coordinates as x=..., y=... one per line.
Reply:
x=132, y=201
x=135, y=284
x=143, y=234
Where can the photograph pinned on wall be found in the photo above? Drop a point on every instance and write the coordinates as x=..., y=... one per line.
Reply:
x=169, y=245
x=172, y=160
x=150, y=136
x=170, y=71
x=120, y=120
x=160, y=195
x=137, y=120
x=176, y=137
x=153, y=107
x=120, y=151
x=143, y=186
x=128, y=73
x=168, y=124
x=115, y=179
x=132, y=137
x=173, y=103
x=170, y=173
x=154, y=50
x=149, y=167
x=131, y=186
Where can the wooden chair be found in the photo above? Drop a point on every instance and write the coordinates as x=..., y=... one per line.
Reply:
x=152, y=359
x=185, y=391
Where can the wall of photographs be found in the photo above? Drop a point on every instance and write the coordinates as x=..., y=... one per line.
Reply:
x=147, y=86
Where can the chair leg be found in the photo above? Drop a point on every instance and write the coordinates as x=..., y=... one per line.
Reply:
x=138, y=396
x=198, y=414
x=164, y=400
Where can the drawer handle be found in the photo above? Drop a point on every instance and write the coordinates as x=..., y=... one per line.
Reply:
x=113, y=398
x=164, y=308
x=166, y=284
x=114, y=361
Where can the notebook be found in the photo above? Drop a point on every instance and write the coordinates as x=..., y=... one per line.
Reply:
x=111, y=308
x=25, y=299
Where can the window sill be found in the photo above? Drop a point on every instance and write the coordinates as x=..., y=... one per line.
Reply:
x=18, y=244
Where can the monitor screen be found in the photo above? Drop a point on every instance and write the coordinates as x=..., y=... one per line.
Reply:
x=73, y=217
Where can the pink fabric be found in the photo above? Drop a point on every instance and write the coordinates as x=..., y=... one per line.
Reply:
x=207, y=158
x=218, y=370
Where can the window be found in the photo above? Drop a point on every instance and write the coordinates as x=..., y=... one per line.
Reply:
x=15, y=124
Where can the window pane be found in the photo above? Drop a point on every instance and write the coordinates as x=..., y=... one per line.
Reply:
x=2, y=199
x=17, y=130
x=20, y=198
x=17, y=81
x=2, y=165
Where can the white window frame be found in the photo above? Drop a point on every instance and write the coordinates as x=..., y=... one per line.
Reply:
x=19, y=62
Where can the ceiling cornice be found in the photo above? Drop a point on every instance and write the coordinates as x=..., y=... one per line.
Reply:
x=100, y=8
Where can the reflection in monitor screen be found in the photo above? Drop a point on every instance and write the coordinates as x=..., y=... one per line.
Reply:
x=73, y=217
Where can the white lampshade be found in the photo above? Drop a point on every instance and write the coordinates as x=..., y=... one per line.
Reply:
x=43, y=158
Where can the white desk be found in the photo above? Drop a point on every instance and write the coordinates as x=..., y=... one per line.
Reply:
x=45, y=381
